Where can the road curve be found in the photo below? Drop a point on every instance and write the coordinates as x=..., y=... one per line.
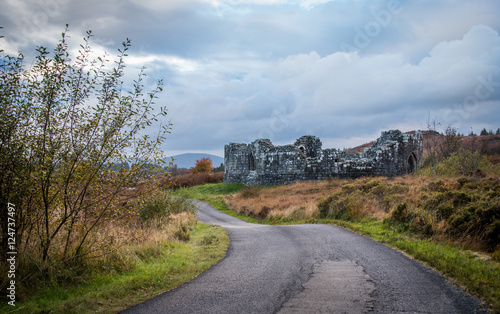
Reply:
x=308, y=269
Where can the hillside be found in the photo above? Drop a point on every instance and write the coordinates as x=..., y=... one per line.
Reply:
x=486, y=144
x=188, y=160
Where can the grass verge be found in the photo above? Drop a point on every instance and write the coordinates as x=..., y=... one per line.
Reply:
x=177, y=262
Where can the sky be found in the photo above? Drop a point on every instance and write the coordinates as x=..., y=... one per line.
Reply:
x=239, y=70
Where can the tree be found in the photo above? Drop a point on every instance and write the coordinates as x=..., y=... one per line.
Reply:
x=484, y=132
x=450, y=143
x=432, y=144
x=64, y=127
x=497, y=132
x=203, y=165
x=220, y=168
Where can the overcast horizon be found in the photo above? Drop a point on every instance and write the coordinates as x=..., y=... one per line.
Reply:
x=235, y=71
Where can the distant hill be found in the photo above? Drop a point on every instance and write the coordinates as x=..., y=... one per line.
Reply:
x=188, y=160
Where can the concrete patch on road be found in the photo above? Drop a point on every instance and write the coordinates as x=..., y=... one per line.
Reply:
x=334, y=287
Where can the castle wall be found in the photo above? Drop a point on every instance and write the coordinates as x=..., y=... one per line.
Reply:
x=262, y=163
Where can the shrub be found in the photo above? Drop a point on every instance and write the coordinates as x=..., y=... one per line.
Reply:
x=190, y=180
x=463, y=163
x=161, y=206
x=264, y=212
x=69, y=128
x=399, y=214
x=203, y=165
x=342, y=206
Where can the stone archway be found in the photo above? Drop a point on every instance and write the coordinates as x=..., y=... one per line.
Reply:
x=412, y=163
x=251, y=162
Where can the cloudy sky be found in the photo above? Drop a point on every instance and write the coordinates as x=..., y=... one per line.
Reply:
x=237, y=70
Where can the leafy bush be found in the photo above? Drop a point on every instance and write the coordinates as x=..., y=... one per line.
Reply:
x=162, y=205
x=464, y=163
x=66, y=123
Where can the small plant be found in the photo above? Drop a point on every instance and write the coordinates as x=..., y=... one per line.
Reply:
x=182, y=233
x=400, y=213
x=264, y=212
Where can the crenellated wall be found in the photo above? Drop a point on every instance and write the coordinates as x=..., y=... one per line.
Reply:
x=262, y=163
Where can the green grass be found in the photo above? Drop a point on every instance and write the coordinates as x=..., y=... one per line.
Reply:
x=108, y=293
x=211, y=189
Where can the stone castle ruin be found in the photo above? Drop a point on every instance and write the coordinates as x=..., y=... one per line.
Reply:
x=261, y=163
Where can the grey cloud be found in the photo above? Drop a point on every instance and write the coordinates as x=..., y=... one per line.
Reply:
x=249, y=70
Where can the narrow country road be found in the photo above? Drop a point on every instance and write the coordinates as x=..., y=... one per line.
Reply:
x=308, y=269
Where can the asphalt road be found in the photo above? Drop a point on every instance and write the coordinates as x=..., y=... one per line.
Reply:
x=309, y=269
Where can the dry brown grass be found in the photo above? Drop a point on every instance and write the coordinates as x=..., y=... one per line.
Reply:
x=113, y=243
x=190, y=180
x=298, y=200
x=462, y=209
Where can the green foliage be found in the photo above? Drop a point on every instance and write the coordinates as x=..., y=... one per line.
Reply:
x=65, y=123
x=463, y=209
x=220, y=168
x=463, y=163
x=160, y=206
x=496, y=256
x=212, y=189
x=450, y=143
